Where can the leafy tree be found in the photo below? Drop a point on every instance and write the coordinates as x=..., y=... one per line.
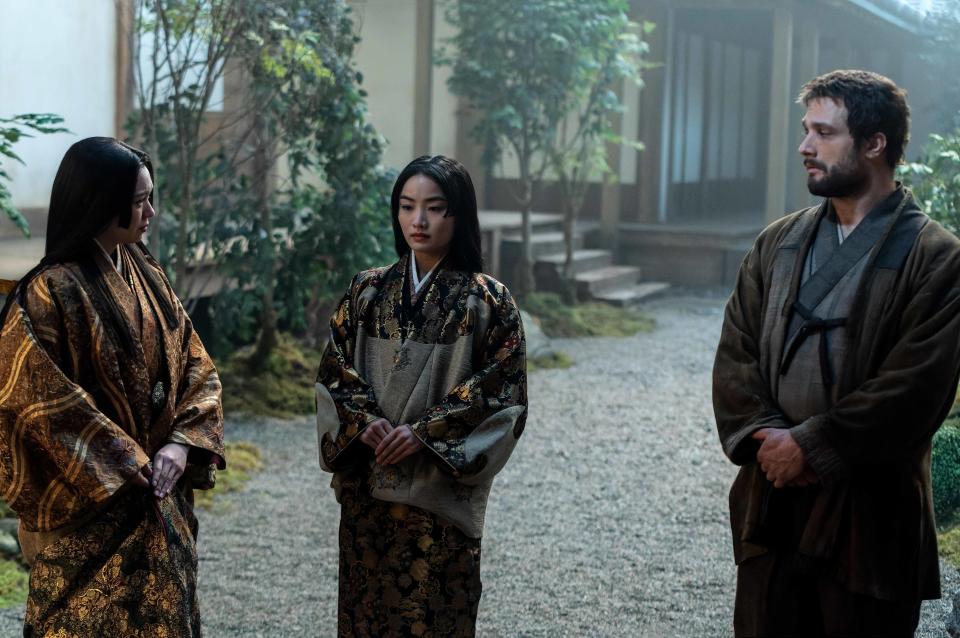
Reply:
x=314, y=112
x=610, y=55
x=935, y=180
x=286, y=174
x=528, y=66
x=12, y=130
x=940, y=52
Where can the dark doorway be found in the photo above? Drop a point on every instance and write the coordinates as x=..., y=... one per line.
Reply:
x=719, y=105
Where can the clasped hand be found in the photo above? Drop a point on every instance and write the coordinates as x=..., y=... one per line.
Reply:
x=168, y=465
x=390, y=444
x=782, y=460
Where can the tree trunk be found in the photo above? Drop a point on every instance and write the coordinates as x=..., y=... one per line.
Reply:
x=268, y=338
x=180, y=264
x=525, y=281
x=569, y=286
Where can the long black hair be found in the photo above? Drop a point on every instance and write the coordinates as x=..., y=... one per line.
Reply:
x=454, y=180
x=95, y=184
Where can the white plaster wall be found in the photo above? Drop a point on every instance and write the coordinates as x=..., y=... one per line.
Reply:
x=386, y=55
x=59, y=57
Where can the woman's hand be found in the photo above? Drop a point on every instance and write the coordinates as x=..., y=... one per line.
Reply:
x=168, y=465
x=398, y=445
x=375, y=432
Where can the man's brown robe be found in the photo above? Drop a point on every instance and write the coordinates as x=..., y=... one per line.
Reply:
x=79, y=418
x=871, y=523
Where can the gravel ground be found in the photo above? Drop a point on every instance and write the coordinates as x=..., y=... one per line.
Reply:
x=610, y=519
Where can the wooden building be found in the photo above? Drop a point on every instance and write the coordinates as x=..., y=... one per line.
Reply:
x=717, y=114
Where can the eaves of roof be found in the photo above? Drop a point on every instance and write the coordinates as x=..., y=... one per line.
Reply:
x=895, y=13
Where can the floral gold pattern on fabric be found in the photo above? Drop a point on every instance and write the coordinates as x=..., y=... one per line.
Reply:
x=404, y=571
x=79, y=417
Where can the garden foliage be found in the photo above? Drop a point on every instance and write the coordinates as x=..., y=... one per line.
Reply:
x=12, y=130
x=541, y=78
x=277, y=187
x=935, y=181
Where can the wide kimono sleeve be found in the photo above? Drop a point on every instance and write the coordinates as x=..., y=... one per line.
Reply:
x=59, y=454
x=346, y=402
x=742, y=401
x=473, y=429
x=198, y=412
x=898, y=409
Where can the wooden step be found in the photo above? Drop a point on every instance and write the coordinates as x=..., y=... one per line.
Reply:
x=632, y=295
x=541, y=244
x=583, y=260
x=592, y=282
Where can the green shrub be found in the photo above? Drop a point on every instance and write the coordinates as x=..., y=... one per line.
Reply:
x=945, y=471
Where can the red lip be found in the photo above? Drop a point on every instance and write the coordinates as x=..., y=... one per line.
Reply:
x=419, y=236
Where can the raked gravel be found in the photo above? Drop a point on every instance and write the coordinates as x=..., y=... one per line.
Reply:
x=609, y=520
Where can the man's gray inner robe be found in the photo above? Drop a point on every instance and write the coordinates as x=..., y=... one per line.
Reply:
x=801, y=392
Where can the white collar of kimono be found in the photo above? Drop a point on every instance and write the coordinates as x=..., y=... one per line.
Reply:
x=117, y=264
x=418, y=281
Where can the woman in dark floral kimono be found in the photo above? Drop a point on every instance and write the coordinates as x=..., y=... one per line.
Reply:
x=421, y=397
x=109, y=413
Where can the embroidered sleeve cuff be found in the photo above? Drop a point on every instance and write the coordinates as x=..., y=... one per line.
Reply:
x=179, y=437
x=819, y=454
x=420, y=430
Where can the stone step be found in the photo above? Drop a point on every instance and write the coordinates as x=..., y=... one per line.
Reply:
x=632, y=295
x=592, y=282
x=583, y=260
x=541, y=244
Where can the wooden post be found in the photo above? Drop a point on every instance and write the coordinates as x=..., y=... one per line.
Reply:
x=423, y=78
x=806, y=66
x=123, y=82
x=778, y=150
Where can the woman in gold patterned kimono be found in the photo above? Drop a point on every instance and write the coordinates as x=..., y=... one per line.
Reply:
x=109, y=413
x=421, y=397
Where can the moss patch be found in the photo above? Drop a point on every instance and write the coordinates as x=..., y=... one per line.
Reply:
x=554, y=360
x=282, y=388
x=243, y=461
x=14, y=582
x=559, y=319
x=949, y=542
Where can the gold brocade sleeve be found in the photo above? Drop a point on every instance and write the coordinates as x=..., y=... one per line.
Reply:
x=59, y=454
x=345, y=401
x=198, y=415
x=475, y=426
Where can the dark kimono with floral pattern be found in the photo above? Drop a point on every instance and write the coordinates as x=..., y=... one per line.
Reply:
x=79, y=417
x=451, y=364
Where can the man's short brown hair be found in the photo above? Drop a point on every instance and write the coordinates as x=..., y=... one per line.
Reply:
x=874, y=103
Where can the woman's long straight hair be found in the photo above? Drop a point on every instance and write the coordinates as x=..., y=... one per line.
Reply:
x=455, y=183
x=95, y=184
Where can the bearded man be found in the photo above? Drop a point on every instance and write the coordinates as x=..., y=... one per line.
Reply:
x=838, y=361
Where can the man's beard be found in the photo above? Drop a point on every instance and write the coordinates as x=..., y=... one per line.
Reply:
x=845, y=179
